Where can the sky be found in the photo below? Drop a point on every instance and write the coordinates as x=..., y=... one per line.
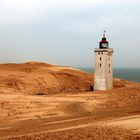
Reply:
x=66, y=32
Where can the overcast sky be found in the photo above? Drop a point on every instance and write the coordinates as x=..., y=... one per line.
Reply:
x=66, y=32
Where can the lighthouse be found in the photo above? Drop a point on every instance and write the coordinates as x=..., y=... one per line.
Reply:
x=103, y=75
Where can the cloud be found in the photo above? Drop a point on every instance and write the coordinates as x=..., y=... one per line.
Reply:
x=52, y=26
x=18, y=11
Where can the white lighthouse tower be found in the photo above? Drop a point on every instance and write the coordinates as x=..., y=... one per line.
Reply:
x=103, y=75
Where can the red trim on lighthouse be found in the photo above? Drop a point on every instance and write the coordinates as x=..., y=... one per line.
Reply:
x=103, y=41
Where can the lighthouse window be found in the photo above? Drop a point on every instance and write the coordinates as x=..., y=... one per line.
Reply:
x=109, y=71
x=100, y=58
x=102, y=52
x=109, y=65
x=100, y=65
x=98, y=52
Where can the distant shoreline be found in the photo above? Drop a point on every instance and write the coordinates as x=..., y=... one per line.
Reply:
x=130, y=74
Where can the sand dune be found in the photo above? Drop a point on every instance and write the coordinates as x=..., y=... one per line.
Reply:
x=41, y=78
x=43, y=101
x=35, y=78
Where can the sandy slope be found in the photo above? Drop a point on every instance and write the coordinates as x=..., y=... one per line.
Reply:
x=42, y=78
x=100, y=115
x=96, y=113
x=131, y=122
x=35, y=78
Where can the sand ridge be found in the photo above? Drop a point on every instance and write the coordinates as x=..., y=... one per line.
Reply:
x=41, y=78
x=43, y=101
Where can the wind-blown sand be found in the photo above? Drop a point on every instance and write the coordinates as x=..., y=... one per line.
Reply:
x=43, y=101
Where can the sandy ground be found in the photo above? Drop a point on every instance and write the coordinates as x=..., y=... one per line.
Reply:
x=39, y=101
x=71, y=116
x=131, y=122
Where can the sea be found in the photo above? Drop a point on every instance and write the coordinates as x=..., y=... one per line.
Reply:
x=130, y=74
